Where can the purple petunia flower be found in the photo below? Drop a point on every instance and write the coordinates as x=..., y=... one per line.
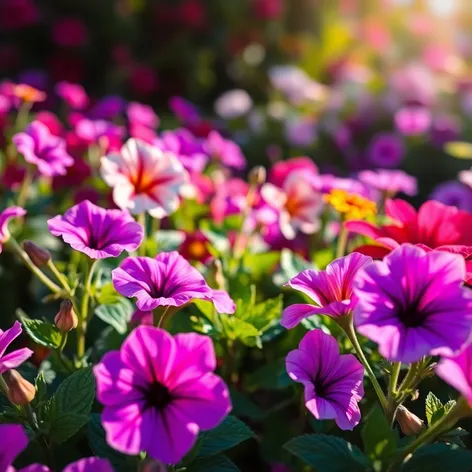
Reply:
x=97, y=232
x=73, y=94
x=389, y=182
x=43, y=149
x=457, y=371
x=166, y=280
x=5, y=217
x=330, y=289
x=224, y=150
x=159, y=391
x=14, y=441
x=386, y=150
x=413, y=304
x=13, y=359
x=333, y=382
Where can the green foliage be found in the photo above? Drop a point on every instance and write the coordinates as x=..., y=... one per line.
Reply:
x=328, y=453
x=42, y=332
x=380, y=441
x=69, y=408
x=228, y=434
x=439, y=458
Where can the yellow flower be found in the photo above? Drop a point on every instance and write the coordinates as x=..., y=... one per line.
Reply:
x=351, y=206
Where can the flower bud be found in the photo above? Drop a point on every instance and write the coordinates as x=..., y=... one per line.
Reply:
x=38, y=255
x=66, y=319
x=257, y=175
x=409, y=423
x=20, y=391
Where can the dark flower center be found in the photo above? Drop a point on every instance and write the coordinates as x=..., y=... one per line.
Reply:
x=157, y=396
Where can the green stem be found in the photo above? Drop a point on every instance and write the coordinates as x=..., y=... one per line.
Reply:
x=12, y=244
x=25, y=186
x=141, y=219
x=342, y=242
x=84, y=310
x=346, y=324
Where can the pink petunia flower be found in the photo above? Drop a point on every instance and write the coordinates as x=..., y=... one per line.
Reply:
x=5, y=217
x=224, y=150
x=330, y=289
x=42, y=149
x=298, y=203
x=166, y=280
x=406, y=310
x=333, y=383
x=457, y=371
x=15, y=440
x=97, y=232
x=145, y=179
x=13, y=359
x=160, y=387
x=389, y=182
x=73, y=94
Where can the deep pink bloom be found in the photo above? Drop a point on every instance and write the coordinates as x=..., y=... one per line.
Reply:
x=457, y=371
x=333, y=383
x=14, y=440
x=139, y=113
x=5, y=217
x=412, y=121
x=184, y=110
x=298, y=202
x=160, y=387
x=186, y=147
x=145, y=179
x=166, y=280
x=42, y=149
x=386, y=150
x=330, y=289
x=224, y=150
x=97, y=232
x=13, y=359
x=281, y=170
x=73, y=94
x=389, y=182
x=414, y=313
x=69, y=32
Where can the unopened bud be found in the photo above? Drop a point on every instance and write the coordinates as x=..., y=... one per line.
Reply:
x=66, y=319
x=38, y=255
x=20, y=391
x=257, y=175
x=409, y=423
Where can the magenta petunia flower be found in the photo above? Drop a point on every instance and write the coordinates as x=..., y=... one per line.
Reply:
x=413, y=304
x=13, y=359
x=14, y=440
x=159, y=391
x=5, y=217
x=145, y=179
x=42, y=149
x=389, y=182
x=333, y=383
x=97, y=232
x=73, y=94
x=330, y=289
x=166, y=280
x=457, y=371
x=224, y=150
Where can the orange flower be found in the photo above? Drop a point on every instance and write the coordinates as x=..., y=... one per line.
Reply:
x=28, y=94
x=351, y=206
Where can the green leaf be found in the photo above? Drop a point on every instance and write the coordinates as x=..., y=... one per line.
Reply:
x=218, y=463
x=439, y=458
x=42, y=332
x=68, y=409
x=433, y=404
x=380, y=441
x=97, y=440
x=117, y=314
x=225, y=436
x=328, y=453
